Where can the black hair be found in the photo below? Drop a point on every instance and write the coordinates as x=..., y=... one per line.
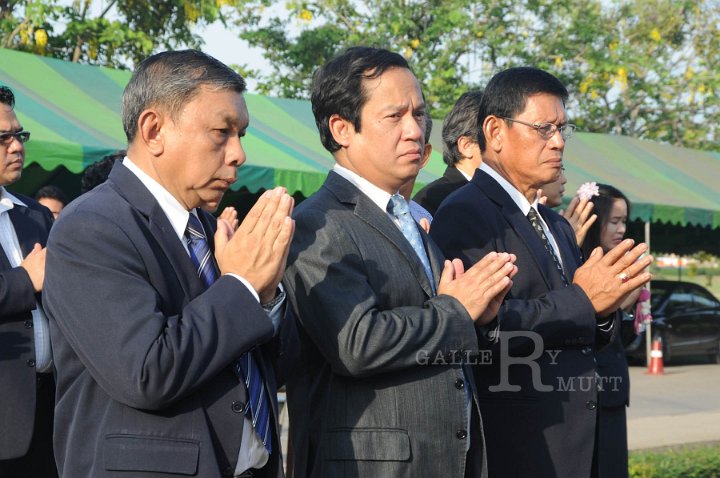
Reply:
x=602, y=206
x=507, y=92
x=7, y=97
x=337, y=87
x=51, y=192
x=96, y=173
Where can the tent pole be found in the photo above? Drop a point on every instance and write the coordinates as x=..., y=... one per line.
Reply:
x=648, y=326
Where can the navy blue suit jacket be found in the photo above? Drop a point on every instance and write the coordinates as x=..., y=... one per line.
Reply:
x=529, y=432
x=144, y=352
x=17, y=341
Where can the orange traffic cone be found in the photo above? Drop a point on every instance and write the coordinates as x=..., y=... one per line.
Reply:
x=656, y=358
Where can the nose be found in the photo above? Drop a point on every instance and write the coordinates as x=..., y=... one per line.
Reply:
x=556, y=141
x=235, y=153
x=414, y=129
x=15, y=145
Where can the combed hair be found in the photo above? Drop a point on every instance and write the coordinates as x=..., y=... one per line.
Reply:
x=169, y=80
x=507, y=92
x=7, y=97
x=461, y=121
x=337, y=87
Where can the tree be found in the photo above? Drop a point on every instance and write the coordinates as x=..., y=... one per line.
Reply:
x=120, y=35
x=643, y=68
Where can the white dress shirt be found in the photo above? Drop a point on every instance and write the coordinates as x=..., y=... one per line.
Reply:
x=252, y=452
x=11, y=246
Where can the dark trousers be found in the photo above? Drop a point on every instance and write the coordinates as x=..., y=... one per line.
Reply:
x=39, y=462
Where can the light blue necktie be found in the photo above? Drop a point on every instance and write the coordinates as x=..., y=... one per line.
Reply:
x=398, y=207
x=257, y=408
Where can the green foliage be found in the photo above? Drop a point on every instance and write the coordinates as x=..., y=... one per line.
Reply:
x=686, y=462
x=138, y=28
x=648, y=69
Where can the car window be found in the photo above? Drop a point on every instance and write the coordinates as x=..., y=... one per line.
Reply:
x=680, y=299
x=703, y=299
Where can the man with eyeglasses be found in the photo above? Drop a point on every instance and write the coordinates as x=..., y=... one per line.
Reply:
x=26, y=380
x=539, y=395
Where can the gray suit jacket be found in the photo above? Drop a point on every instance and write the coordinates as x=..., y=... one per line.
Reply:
x=144, y=352
x=362, y=401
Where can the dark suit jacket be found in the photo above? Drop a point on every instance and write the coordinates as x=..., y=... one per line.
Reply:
x=435, y=193
x=144, y=354
x=530, y=432
x=362, y=403
x=17, y=342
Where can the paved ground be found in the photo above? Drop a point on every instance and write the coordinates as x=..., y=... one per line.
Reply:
x=682, y=406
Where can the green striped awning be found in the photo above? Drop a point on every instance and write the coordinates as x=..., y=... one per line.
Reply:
x=73, y=112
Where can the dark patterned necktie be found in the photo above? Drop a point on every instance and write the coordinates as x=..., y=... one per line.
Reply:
x=257, y=408
x=535, y=222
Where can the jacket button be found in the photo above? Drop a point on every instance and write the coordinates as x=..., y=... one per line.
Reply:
x=459, y=384
x=30, y=362
x=28, y=324
x=461, y=434
x=586, y=350
x=237, y=407
x=591, y=405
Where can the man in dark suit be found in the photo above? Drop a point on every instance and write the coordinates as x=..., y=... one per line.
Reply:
x=460, y=151
x=539, y=396
x=157, y=328
x=379, y=388
x=27, y=397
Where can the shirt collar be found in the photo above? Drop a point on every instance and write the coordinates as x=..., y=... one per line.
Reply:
x=376, y=195
x=512, y=191
x=8, y=201
x=175, y=212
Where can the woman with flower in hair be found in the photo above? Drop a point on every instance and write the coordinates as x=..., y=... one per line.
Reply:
x=612, y=209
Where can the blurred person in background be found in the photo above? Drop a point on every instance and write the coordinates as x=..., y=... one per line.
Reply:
x=612, y=209
x=53, y=198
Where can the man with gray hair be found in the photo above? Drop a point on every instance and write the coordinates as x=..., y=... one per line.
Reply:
x=461, y=152
x=158, y=312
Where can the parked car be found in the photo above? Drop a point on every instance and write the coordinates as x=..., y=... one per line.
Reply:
x=686, y=317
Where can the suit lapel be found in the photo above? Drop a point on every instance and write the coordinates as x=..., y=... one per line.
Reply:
x=130, y=188
x=26, y=228
x=371, y=214
x=522, y=227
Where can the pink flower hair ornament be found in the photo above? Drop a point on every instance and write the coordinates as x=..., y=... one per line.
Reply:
x=588, y=190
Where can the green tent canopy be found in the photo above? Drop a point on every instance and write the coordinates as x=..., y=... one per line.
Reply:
x=73, y=112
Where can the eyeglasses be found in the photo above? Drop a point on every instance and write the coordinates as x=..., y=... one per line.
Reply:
x=547, y=130
x=7, y=138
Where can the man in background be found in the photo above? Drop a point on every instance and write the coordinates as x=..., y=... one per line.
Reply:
x=460, y=151
x=53, y=198
x=27, y=388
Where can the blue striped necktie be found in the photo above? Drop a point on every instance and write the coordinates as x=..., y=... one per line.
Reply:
x=258, y=406
x=398, y=207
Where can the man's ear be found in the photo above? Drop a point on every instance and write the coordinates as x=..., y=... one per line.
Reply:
x=341, y=130
x=150, y=131
x=465, y=144
x=493, y=131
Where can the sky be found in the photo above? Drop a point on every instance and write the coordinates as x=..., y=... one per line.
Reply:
x=227, y=47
